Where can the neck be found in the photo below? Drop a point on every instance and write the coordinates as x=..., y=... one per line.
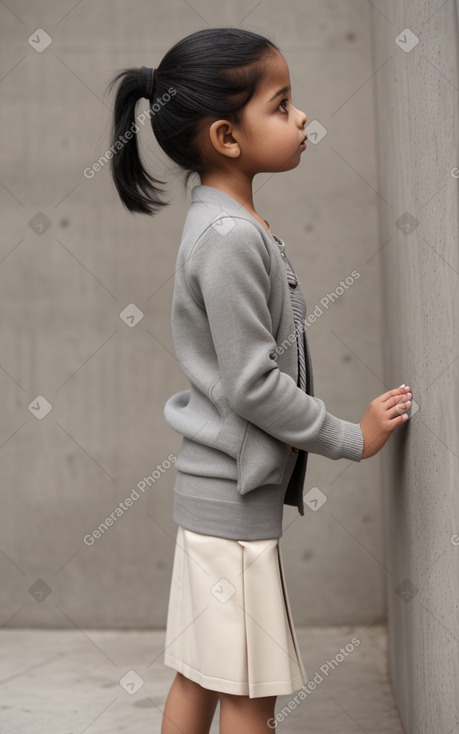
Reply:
x=240, y=188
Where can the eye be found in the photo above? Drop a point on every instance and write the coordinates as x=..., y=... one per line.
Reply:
x=284, y=102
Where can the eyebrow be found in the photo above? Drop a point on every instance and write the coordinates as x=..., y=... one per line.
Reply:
x=281, y=91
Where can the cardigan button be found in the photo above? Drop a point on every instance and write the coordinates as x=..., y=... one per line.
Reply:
x=295, y=450
x=293, y=285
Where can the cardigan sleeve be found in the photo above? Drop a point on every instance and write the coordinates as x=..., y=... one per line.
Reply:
x=228, y=273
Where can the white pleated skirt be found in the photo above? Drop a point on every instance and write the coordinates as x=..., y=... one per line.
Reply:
x=229, y=624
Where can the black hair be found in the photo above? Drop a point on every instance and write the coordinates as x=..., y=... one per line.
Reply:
x=212, y=73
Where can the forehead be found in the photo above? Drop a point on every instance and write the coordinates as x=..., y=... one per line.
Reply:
x=277, y=76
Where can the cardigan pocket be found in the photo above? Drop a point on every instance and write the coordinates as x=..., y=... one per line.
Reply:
x=262, y=459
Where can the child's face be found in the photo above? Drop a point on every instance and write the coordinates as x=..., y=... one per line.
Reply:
x=271, y=132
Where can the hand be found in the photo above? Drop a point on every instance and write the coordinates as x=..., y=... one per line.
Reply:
x=382, y=416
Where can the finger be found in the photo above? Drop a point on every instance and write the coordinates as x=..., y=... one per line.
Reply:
x=400, y=408
x=396, y=392
x=402, y=398
x=394, y=401
x=396, y=398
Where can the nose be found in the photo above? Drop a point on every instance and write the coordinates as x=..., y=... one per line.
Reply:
x=301, y=117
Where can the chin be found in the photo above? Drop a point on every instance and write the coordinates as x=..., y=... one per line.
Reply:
x=290, y=166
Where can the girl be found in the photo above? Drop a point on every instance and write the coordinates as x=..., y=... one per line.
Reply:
x=221, y=108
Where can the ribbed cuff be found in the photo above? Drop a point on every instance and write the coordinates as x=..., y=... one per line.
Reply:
x=338, y=439
x=352, y=441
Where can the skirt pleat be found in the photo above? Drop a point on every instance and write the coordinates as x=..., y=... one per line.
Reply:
x=229, y=623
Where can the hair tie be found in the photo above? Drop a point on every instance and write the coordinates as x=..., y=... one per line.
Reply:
x=147, y=77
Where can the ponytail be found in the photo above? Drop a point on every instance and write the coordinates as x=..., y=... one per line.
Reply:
x=138, y=190
x=210, y=74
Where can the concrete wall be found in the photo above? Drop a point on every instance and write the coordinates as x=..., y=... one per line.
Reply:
x=72, y=259
x=417, y=132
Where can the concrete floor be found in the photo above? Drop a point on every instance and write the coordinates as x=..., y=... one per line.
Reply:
x=68, y=682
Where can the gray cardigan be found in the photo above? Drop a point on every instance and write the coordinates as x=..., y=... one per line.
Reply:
x=234, y=337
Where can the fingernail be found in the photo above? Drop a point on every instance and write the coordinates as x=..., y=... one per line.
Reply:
x=402, y=385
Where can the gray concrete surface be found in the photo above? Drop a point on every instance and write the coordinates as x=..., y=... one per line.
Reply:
x=68, y=682
x=72, y=259
x=418, y=135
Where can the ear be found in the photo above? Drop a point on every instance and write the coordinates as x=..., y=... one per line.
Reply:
x=221, y=134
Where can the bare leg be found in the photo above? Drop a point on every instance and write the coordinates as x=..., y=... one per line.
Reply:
x=246, y=715
x=189, y=708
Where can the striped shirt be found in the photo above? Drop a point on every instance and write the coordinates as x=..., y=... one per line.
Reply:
x=299, y=314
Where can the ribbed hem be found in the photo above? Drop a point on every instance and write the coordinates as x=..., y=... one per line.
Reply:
x=205, y=505
x=226, y=519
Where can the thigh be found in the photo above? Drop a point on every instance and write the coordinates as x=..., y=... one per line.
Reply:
x=246, y=715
